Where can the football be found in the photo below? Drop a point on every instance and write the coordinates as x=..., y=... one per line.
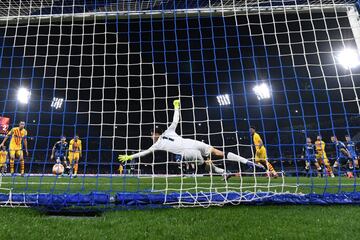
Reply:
x=58, y=169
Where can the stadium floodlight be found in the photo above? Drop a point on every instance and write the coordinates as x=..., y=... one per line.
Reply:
x=348, y=58
x=57, y=102
x=223, y=99
x=262, y=91
x=23, y=95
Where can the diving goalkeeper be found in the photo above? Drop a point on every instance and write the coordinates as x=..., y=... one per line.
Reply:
x=190, y=150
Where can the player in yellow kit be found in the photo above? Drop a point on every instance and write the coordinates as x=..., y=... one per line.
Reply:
x=260, y=154
x=18, y=137
x=320, y=155
x=75, y=152
x=3, y=157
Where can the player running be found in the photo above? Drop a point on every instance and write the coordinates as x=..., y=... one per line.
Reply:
x=60, y=152
x=260, y=154
x=3, y=158
x=350, y=145
x=321, y=156
x=308, y=154
x=342, y=156
x=190, y=150
x=18, y=136
x=75, y=153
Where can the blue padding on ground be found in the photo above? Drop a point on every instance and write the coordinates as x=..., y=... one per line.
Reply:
x=64, y=200
x=136, y=199
x=126, y=199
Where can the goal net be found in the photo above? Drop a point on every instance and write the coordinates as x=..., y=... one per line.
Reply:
x=263, y=88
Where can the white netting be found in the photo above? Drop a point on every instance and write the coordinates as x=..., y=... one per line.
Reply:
x=110, y=71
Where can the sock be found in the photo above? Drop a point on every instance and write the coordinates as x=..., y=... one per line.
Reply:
x=270, y=167
x=217, y=169
x=22, y=166
x=232, y=156
x=329, y=169
x=76, y=168
x=11, y=166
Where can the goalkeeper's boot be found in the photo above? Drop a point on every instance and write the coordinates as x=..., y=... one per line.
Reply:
x=22, y=175
x=74, y=176
x=254, y=164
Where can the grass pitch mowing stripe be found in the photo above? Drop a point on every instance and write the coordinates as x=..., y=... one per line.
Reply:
x=240, y=222
x=83, y=184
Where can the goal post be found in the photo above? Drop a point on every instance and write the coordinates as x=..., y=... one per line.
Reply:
x=110, y=71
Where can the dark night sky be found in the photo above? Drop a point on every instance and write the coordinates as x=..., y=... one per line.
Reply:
x=120, y=76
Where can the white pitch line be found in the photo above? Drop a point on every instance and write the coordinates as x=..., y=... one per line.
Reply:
x=163, y=184
x=128, y=183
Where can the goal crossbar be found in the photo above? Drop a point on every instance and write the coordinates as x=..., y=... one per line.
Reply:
x=170, y=13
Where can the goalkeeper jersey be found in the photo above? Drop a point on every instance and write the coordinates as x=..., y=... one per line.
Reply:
x=170, y=141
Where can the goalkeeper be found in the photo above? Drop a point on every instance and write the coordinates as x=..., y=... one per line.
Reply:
x=190, y=150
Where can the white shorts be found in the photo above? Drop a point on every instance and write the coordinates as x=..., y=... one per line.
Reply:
x=196, y=151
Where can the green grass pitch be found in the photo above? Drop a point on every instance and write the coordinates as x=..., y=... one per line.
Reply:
x=231, y=222
x=240, y=222
x=130, y=183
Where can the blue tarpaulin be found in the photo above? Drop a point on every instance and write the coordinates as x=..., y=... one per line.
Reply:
x=126, y=199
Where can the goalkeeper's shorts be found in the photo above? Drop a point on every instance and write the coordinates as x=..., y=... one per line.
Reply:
x=196, y=151
x=193, y=155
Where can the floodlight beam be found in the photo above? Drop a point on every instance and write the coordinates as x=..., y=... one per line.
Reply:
x=23, y=95
x=348, y=58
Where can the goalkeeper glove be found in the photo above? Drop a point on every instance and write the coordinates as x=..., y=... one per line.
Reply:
x=176, y=103
x=124, y=158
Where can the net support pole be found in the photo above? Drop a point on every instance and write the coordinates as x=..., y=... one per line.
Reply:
x=354, y=20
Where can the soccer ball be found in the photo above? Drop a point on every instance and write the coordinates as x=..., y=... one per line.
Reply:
x=58, y=169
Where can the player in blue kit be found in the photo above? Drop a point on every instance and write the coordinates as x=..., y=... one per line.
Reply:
x=342, y=156
x=350, y=145
x=308, y=154
x=60, y=151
